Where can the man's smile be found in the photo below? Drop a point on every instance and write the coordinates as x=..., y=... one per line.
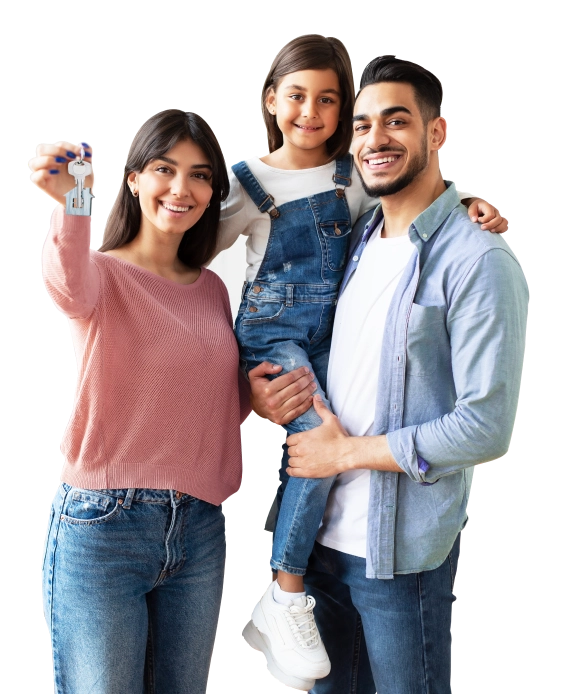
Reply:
x=380, y=161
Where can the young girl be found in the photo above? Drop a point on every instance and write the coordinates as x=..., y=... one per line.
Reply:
x=297, y=205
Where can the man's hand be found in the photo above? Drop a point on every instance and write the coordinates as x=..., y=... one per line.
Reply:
x=489, y=217
x=319, y=452
x=284, y=398
x=329, y=450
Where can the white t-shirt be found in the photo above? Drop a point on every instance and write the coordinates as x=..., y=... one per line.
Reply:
x=353, y=375
x=239, y=215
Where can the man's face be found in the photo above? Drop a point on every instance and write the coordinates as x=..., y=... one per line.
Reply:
x=390, y=139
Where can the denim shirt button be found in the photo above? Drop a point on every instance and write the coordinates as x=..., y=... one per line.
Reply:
x=424, y=236
x=355, y=258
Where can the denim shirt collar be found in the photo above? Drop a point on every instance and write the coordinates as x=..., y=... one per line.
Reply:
x=421, y=229
x=426, y=224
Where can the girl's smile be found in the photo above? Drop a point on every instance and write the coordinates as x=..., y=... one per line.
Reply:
x=306, y=105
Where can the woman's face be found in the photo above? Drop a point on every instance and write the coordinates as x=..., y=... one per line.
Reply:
x=175, y=189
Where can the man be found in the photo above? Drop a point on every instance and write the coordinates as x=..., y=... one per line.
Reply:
x=424, y=377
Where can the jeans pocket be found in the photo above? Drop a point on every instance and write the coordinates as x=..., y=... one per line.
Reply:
x=89, y=507
x=262, y=311
x=49, y=526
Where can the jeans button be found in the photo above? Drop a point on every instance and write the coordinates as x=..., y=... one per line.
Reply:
x=252, y=309
x=178, y=495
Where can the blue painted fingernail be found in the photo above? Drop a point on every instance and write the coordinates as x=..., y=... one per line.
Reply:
x=87, y=154
x=84, y=144
x=60, y=160
x=71, y=155
x=53, y=171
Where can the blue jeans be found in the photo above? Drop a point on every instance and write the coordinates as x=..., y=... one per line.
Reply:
x=286, y=317
x=292, y=539
x=386, y=636
x=132, y=584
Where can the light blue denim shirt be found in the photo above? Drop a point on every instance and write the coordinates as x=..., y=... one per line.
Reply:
x=449, y=381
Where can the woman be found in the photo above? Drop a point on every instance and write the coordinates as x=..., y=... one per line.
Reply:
x=134, y=563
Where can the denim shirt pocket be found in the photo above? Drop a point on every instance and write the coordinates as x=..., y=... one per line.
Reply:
x=427, y=340
x=335, y=236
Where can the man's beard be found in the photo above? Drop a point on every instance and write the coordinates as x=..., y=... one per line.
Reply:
x=418, y=163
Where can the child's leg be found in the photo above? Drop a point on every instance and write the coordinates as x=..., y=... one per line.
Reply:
x=300, y=514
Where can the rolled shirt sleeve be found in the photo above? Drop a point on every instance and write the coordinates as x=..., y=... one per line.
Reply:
x=486, y=323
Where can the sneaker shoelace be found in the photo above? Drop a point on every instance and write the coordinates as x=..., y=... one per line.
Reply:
x=302, y=624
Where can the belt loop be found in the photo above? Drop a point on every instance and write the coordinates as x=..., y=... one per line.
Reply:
x=129, y=498
x=244, y=287
x=289, y=295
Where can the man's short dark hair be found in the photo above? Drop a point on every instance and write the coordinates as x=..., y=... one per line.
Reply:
x=427, y=88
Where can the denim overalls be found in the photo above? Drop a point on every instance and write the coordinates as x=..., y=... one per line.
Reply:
x=286, y=317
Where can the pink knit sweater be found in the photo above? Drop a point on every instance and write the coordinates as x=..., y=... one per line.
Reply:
x=157, y=403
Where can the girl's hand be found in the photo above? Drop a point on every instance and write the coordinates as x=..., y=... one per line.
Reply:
x=488, y=216
x=50, y=168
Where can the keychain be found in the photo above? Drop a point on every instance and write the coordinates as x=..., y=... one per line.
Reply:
x=79, y=199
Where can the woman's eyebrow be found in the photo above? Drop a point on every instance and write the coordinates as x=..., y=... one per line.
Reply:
x=173, y=162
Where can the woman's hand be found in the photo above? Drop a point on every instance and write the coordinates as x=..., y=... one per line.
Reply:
x=284, y=398
x=488, y=216
x=50, y=168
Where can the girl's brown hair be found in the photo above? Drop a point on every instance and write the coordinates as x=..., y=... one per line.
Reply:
x=313, y=52
x=158, y=135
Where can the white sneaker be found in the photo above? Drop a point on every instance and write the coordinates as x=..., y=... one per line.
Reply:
x=289, y=639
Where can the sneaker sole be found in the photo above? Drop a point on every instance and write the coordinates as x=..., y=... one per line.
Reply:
x=259, y=642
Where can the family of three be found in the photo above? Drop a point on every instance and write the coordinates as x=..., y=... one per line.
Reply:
x=381, y=324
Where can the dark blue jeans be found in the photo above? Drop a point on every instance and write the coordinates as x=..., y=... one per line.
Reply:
x=384, y=636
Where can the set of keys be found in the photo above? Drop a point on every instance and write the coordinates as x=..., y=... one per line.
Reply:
x=79, y=199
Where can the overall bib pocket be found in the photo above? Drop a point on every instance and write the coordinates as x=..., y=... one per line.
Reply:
x=335, y=237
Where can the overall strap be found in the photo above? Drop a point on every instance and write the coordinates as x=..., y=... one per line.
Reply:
x=251, y=185
x=342, y=177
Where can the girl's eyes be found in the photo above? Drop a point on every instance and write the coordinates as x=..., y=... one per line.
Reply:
x=322, y=100
x=162, y=169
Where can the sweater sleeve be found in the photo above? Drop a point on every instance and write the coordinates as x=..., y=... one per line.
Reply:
x=234, y=219
x=71, y=276
x=243, y=384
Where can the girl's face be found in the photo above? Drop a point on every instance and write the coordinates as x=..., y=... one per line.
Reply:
x=175, y=189
x=306, y=105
